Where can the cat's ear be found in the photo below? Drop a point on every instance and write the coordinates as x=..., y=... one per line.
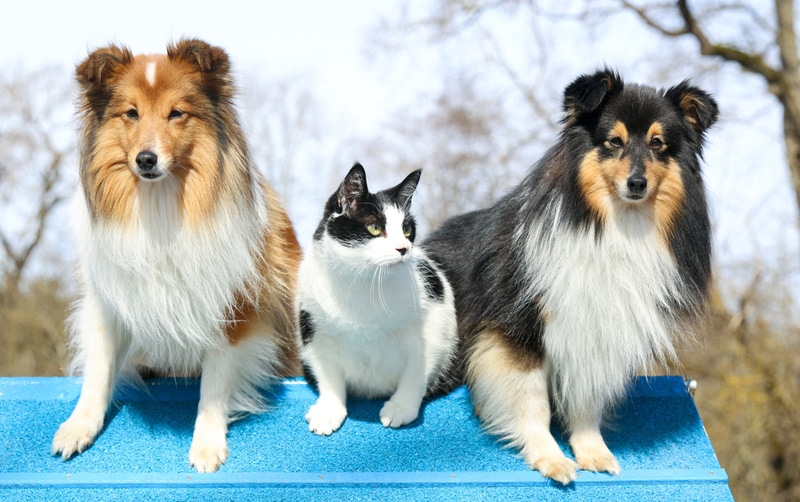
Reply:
x=403, y=192
x=353, y=189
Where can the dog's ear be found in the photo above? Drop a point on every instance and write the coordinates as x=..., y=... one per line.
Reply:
x=101, y=67
x=588, y=92
x=205, y=58
x=352, y=190
x=96, y=74
x=697, y=107
x=211, y=62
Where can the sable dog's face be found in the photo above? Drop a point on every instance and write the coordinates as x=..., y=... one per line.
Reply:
x=153, y=119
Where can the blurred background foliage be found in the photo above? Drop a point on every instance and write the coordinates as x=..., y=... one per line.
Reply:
x=492, y=111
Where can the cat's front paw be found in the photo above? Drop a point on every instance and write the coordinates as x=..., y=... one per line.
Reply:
x=325, y=418
x=395, y=414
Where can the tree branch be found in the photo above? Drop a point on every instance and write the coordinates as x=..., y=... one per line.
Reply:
x=649, y=21
x=787, y=45
x=751, y=62
x=47, y=202
x=754, y=63
x=8, y=249
x=528, y=92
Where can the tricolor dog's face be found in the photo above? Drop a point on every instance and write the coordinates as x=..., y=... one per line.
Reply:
x=636, y=138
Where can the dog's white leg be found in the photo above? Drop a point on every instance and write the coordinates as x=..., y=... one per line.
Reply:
x=403, y=407
x=589, y=448
x=510, y=394
x=219, y=377
x=102, y=349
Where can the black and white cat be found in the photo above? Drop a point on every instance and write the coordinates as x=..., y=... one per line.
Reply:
x=376, y=315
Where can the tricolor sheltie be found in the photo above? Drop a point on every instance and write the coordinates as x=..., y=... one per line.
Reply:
x=187, y=259
x=587, y=271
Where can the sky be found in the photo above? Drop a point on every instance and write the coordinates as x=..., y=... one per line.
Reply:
x=326, y=46
x=321, y=44
x=280, y=35
x=322, y=41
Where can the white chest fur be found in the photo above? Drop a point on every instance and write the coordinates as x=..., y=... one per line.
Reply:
x=606, y=303
x=365, y=320
x=165, y=285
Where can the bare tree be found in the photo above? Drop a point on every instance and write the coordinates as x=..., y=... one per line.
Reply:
x=478, y=133
x=35, y=145
x=463, y=141
x=282, y=121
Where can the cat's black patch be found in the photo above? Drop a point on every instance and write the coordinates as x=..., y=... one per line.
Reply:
x=411, y=223
x=311, y=379
x=433, y=283
x=320, y=230
x=306, y=327
x=351, y=231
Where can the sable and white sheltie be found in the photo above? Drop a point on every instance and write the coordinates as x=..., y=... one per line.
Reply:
x=587, y=271
x=187, y=259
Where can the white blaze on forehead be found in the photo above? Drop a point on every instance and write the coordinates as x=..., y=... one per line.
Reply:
x=150, y=73
x=394, y=226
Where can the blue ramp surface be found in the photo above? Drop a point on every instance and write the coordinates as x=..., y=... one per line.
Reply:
x=142, y=454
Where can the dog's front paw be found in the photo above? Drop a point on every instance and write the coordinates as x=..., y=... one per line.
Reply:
x=325, y=418
x=74, y=436
x=591, y=452
x=396, y=414
x=558, y=468
x=207, y=454
x=598, y=459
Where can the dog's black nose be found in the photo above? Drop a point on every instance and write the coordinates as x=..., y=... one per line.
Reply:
x=637, y=184
x=146, y=160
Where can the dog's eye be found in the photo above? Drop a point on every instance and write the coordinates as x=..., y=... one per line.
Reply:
x=132, y=114
x=175, y=114
x=374, y=229
x=616, y=142
x=656, y=143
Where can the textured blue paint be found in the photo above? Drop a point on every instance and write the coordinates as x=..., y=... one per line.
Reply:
x=656, y=435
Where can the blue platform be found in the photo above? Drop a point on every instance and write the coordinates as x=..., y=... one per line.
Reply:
x=142, y=454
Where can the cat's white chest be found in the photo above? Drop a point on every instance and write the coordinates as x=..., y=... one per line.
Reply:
x=372, y=362
x=376, y=299
x=364, y=324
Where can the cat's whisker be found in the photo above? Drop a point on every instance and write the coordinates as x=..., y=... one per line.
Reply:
x=381, y=296
x=415, y=292
x=375, y=288
x=353, y=281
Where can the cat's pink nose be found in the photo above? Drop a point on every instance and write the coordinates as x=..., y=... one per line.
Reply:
x=402, y=250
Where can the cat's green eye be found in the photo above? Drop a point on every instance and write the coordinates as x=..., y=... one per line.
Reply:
x=407, y=229
x=374, y=229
